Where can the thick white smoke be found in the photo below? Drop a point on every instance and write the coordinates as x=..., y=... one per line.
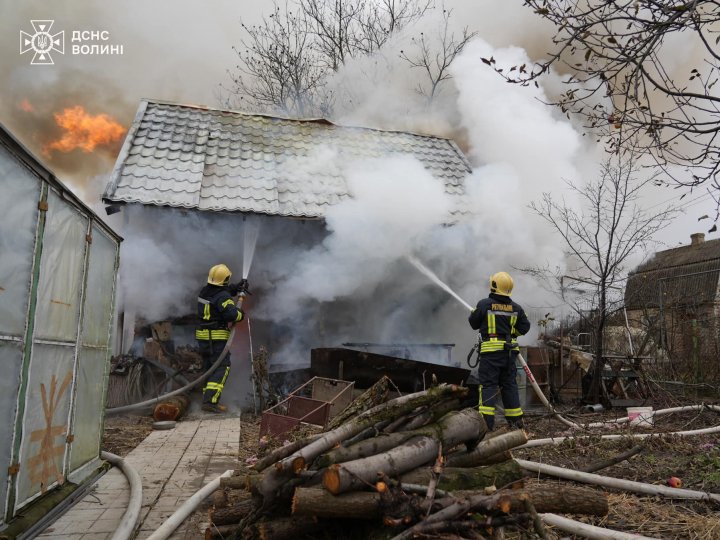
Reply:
x=351, y=281
x=348, y=279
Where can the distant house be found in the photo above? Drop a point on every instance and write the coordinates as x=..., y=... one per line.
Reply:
x=675, y=295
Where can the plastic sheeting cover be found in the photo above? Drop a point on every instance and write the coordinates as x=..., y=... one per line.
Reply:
x=99, y=290
x=11, y=361
x=47, y=404
x=87, y=423
x=93, y=362
x=61, y=272
x=18, y=223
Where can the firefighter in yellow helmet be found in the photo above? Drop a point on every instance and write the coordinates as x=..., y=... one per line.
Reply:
x=500, y=321
x=217, y=312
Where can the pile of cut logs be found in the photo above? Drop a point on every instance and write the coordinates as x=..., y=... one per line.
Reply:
x=415, y=466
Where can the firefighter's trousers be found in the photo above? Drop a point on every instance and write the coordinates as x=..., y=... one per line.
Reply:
x=496, y=374
x=210, y=350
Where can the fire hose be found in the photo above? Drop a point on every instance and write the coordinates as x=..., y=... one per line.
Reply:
x=130, y=518
x=190, y=386
x=243, y=291
x=575, y=425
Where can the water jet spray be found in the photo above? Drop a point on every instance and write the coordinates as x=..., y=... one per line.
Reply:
x=530, y=377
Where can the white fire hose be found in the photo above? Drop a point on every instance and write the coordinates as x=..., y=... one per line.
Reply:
x=187, y=508
x=131, y=517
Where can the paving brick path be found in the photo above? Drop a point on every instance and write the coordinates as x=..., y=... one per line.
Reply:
x=173, y=465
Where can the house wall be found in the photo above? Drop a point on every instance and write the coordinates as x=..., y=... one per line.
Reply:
x=690, y=339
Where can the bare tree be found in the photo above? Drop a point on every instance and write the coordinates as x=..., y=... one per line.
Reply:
x=286, y=60
x=434, y=55
x=601, y=234
x=626, y=81
x=278, y=69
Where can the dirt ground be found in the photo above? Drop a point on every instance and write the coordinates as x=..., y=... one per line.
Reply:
x=695, y=460
x=123, y=433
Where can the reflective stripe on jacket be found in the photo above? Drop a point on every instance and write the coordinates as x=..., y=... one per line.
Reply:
x=500, y=321
x=216, y=309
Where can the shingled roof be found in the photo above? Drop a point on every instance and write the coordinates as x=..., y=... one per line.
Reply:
x=683, y=275
x=209, y=159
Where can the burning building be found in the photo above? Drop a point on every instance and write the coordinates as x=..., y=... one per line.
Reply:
x=193, y=182
x=58, y=267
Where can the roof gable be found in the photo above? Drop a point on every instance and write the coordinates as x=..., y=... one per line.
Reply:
x=209, y=159
x=686, y=275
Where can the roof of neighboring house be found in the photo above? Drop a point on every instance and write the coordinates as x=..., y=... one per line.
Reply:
x=686, y=275
x=209, y=159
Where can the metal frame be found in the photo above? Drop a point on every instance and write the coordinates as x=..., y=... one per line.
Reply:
x=316, y=410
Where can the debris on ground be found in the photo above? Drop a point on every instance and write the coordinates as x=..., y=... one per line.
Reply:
x=358, y=481
x=123, y=433
x=414, y=465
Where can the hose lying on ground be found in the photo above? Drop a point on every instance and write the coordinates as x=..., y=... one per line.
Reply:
x=617, y=483
x=193, y=384
x=588, y=531
x=608, y=423
x=131, y=517
x=188, y=507
x=639, y=436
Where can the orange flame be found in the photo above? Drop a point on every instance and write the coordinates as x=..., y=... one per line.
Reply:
x=26, y=106
x=84, y=130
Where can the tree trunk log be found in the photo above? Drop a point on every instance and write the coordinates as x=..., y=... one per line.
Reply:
x=436, y=412
x=390, y=409
x=373, y=396
x=274, y=478
x=453, y=429
x=319, y=503
x=372, y=431
x=219, y=498
x=219, y=533
x=231, y=514
x=488, y=448
x=366, y=505
x=454, y=479
x=283, y=452
x=171, y=409
x=243, y=481
x=485, y=504
x=290, y=528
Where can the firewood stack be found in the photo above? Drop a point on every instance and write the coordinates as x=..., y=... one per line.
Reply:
x=417, y=464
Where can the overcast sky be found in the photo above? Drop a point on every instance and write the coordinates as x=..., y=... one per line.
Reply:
x=179, y=50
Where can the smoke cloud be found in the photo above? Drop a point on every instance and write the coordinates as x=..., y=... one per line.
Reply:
x=348, y=279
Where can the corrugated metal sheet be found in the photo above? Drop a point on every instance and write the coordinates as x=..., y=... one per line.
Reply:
x=209, y=159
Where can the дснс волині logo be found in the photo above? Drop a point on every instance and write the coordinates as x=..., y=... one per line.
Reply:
x=42, y=42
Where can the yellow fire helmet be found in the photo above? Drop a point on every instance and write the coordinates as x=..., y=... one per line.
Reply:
x=219, y=275
x=501, y=283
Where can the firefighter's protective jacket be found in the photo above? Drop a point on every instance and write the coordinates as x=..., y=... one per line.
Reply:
x=216, y=309
x=500, y=321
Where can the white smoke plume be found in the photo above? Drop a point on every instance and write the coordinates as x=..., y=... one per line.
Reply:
x=350, y=280
x=321, y=284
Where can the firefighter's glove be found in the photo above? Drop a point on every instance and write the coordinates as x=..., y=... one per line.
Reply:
x=243, y=287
